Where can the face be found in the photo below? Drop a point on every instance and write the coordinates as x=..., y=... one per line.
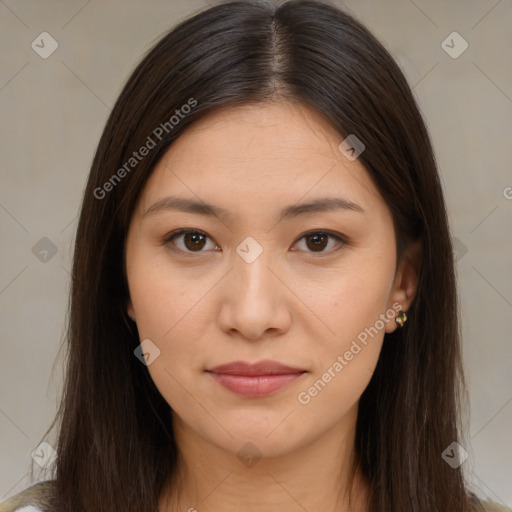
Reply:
x=262, y=275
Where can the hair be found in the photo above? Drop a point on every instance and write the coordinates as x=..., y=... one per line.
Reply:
x=115, y=445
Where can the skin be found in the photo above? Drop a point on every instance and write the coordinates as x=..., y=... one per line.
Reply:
x=292, y=304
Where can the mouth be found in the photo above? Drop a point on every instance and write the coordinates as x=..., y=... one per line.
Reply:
x=260, y=379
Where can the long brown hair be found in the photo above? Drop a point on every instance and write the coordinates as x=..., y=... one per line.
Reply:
x=115, y=445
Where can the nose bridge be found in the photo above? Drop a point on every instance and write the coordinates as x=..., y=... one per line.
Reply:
x=253, y=302
x=251, y=269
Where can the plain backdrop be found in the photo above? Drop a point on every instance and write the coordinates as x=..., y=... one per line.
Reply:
x=52, y=114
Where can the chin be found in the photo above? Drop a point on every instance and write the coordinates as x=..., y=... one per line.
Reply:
x=269, y=438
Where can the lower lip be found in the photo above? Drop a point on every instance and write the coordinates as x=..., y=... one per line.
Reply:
x=254, y=386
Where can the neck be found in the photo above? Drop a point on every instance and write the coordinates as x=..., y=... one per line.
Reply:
x=319, y=475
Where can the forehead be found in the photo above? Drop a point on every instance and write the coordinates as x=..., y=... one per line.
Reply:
x=278, y=151
x=274, y=131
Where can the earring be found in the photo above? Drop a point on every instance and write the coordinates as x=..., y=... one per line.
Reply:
x=401, y=318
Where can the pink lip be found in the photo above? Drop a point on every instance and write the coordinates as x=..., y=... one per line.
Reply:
x=255, y=380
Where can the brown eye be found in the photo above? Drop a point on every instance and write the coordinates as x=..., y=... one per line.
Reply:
x=187, y=240
x=318, y=241
x=194, y=241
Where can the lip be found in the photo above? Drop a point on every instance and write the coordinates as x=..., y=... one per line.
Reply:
x=255, y=379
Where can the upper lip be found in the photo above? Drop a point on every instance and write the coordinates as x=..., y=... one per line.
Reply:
x=265, y=367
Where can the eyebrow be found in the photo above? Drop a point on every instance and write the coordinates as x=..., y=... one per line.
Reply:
x=322, y=204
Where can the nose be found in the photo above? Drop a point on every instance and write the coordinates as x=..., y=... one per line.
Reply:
x=255, y=301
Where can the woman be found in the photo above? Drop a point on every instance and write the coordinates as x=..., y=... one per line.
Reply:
x=263, y=307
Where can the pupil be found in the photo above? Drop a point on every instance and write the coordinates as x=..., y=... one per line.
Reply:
x=194, y=237
x=319, y=242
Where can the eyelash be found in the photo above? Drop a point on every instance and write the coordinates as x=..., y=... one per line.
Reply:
x=168, y=239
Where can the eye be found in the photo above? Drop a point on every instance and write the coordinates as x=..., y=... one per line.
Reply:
x=317, y=241
x=194, y=240
x=188, y=240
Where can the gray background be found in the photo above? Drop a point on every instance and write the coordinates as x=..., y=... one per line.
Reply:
x=53, y=112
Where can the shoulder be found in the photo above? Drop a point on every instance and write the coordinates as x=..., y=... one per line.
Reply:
x=486, y=507
x=35, y=498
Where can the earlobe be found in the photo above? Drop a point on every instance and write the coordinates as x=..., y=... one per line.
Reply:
x=406, y=283
x=130, y=311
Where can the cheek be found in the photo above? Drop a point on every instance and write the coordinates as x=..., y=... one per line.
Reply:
x=354, y=305
x=172, y=310
x=163, y=300
x=353, y=298
x=344, y=362
x=171, y=315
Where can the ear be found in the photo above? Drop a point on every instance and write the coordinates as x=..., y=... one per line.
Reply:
x=406, y=282
x=130, y=310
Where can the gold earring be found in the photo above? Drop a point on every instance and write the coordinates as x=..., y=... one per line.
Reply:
x=401, y=318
